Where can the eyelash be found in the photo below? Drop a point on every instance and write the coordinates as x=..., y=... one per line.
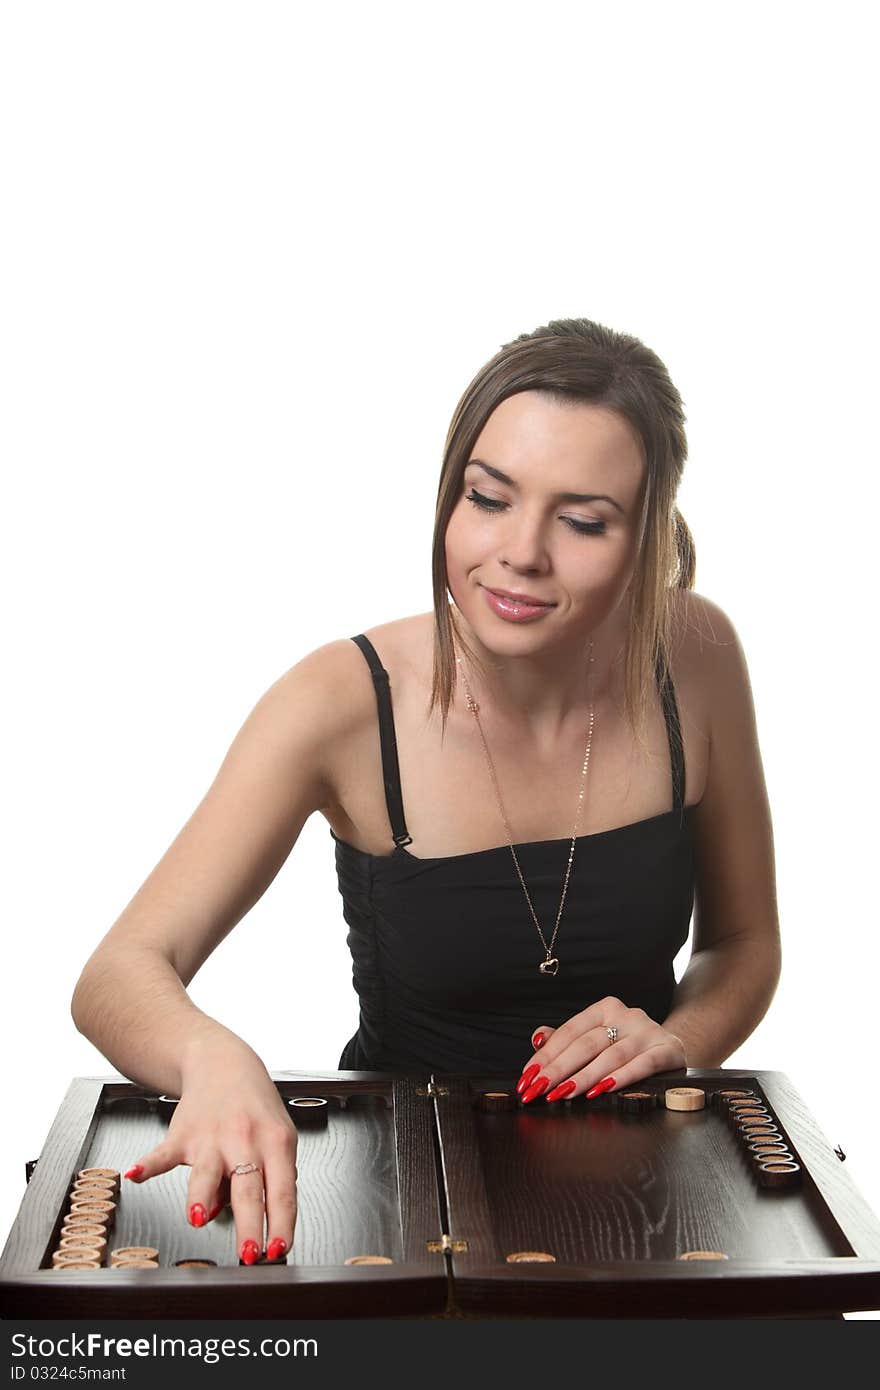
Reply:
x=583, y=528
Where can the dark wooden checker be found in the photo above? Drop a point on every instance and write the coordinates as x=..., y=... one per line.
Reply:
x=415, y=1170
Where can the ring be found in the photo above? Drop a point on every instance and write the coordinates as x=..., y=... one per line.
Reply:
x=242, y=1168
x=612, y=1033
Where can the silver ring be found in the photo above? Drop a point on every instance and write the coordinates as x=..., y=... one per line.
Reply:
x=612, y=1033
x=241, y=1168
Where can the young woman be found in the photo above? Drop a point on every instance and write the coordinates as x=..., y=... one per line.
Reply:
x=530, y=789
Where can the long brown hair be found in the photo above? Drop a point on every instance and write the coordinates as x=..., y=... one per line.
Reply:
x=572, y=360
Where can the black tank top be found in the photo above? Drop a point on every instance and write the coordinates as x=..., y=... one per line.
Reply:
x=444, y=951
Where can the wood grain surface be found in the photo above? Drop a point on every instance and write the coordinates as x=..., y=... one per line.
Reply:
x=405, y=1163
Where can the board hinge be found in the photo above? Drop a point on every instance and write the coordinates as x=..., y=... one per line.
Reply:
x=446, y=1246
x=432, y=1089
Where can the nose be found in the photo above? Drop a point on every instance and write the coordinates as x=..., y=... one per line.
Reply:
x=524, y=545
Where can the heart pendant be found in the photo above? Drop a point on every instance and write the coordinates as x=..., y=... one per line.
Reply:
x=549, y=966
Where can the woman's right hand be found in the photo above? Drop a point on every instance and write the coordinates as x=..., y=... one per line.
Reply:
x=230, y=1113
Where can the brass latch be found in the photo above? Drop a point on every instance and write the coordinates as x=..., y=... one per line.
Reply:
x=447, y=1246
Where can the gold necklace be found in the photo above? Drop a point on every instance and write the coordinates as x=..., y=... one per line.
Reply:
x=550, y=964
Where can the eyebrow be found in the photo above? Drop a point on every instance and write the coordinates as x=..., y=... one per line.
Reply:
x=560, y=496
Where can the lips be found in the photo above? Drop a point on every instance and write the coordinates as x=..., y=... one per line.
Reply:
x=522, y=598
x=516, y=610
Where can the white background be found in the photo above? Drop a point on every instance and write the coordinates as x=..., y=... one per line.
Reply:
x=253, y=254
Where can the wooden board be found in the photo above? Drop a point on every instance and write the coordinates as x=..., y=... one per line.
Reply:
x=366, y=1186
x=616, y=1200
x=416, y=1171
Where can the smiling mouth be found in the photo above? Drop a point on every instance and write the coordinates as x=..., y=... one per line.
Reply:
x=521, y=598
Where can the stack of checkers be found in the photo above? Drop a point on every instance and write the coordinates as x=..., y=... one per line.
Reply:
x=134, y=1257
x=762, y=1138
x=89, y=1220
x=752, y=1120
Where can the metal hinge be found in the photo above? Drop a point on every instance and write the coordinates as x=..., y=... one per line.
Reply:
x=432, y=1090
x=446, y=1246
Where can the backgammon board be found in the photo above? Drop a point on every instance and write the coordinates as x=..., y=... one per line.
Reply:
x=445, y=1196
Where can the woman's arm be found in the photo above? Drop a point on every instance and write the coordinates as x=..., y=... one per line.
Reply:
x=735, y=960
x=734, y=965
x=131, y=998
x=131, y=1003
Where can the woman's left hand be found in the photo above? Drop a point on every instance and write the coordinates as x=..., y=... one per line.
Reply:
x=585, y=1055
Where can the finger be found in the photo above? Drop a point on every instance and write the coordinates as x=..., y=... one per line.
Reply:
x=595, y=1046
x=201, y=1197
x=600, y=1066
x=533, y=1066
x=249, y=1209
x=607, y=1011
x=553, y=1075
x=645, y=1063
x=221, y=1198
x=162, y=1159
x=281, y=1204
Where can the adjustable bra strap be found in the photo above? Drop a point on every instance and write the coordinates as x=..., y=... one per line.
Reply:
x=673, y=733
x=388, y=740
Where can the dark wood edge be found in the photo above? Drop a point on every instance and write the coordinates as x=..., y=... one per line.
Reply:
x=38, y=1221
x=620, y=1272
x=660, y=1289
x=632, y=1289
x=834, y=1187
x=230, y=1293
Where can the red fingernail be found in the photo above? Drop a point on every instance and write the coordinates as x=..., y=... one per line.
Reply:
x=249, y=1252
x=536, y=1089
x=136, y=1171
x=607, y=1085
x=215, y=1211
x=527, y=1077
x=197, y=1214
x=564, y=1088
x=537, y=1039
x=276, y=1248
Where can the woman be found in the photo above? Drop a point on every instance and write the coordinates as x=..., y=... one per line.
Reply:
x=569, y=764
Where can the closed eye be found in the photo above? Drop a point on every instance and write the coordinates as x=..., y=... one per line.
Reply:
x=489, y=504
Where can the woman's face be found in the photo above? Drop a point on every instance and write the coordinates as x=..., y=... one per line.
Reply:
x=577, y=555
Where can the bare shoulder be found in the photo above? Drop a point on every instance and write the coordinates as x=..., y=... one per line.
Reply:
x=714, y=653
x=399, y=645
x=327, y=678
x=331, y=690
x=404, y=646
x=704, y=626
x=735, y=871
x=276, y=773
x=707, y=656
